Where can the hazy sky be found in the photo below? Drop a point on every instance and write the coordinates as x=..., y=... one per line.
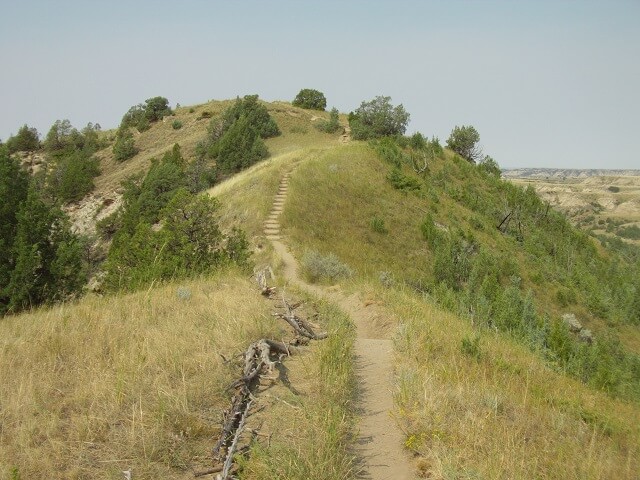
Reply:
x=546, y=83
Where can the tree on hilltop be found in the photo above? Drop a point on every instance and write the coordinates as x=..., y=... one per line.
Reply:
x=464, y=141
x=378, y=118
x=310, y=99
x=26, y=140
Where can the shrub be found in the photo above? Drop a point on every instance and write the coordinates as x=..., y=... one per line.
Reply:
x=631, y=232
x=255, y=113
x=378, y=226
x=378, y=118
x=72, y=177
x=489, y=166
x=239, y=148
x=141, y=116
x=333, y=124
x=124, y=148
x=310, y=99
x=177, y=124
x=613, y=189
x=328, y=268
x=400, y=181
x=388, y=150
x=471, y=347
x=463, y=140
x=26, y=140
x=190, y=242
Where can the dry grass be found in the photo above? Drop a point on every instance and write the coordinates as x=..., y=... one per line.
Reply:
x=311, y=418
x=131, y=381
x=502, y=413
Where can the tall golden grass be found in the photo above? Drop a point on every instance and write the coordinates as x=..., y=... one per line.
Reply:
x=133, y=381
x=500, y=413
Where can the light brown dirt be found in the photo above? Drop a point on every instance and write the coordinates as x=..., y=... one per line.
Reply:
x=379, y=440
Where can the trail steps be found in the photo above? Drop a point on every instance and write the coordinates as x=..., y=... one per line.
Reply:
x=379, y=441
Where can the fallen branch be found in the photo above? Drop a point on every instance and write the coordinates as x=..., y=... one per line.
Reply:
x=210, y=471
x=229, y=460
x=299, y=325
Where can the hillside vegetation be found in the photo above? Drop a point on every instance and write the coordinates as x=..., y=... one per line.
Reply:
x=473, y=275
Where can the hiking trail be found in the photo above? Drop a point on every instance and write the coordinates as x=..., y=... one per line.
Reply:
x=379, y=441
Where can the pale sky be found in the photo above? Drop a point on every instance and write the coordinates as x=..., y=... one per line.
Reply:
x=546, y=83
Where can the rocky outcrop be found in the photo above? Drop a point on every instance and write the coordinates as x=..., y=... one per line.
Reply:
x=584, y=334
x=32, y=162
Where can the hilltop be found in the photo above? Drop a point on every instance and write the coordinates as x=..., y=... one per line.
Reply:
x=465, y=276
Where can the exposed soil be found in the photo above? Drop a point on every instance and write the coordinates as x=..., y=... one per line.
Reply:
x=379, y=440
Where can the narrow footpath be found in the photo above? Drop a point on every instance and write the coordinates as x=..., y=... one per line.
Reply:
x=379, y=441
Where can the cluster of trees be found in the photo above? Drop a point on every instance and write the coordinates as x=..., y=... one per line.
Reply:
x=164, y=230
x=236, y=140
x=72, y=164
x=26, y=140
x=41, y=259
x=140, y=117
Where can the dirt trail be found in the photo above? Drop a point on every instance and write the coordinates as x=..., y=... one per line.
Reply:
x=379, y=442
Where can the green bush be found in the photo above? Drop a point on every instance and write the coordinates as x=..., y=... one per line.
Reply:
x=471, y=347
x=310, y=99
x=72, y=177
x=189, y=243
x=332, y=125
x=125, y=147
x=255, y=113
x=613, y=189
x=631, y=232
x=464, y=141
x=378, y=118
x=46, y=257
x=324, y=268
x=177, y=125
x=400, y=181
x=141, y=116
x=378, y=226
x=26, y=140
x=239, y=148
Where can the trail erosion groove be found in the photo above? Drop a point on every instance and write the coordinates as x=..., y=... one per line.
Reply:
x=379, y=450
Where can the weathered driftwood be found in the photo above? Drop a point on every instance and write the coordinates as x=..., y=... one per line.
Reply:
x=209, y=471
x=258, y=359
x=262, y=278
x=234, y=444
x=299, y=325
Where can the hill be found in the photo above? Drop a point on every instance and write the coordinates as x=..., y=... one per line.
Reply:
x=605, y=203
x=463, y=275
x=564, y=173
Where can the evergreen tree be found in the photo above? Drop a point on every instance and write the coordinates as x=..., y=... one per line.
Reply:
x=239, y=148
x=14, y=184
x=310, y=99
x=26, y=140
x=48, y=263
x=125, y=147
x=255, y=114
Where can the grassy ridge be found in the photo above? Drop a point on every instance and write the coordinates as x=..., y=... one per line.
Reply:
x=473, y=407
x=493, y=410
x=127, y=381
